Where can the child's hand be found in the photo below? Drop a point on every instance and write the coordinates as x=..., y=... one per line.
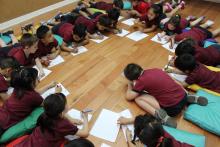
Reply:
x=52, y=84
x=58, y=89
x=41, y=74
x=75, y=50
x=128, y=134
x=168, y=70
x=84, y=115
x=159, y=37
x=76, y=121
x=123, y=121
x=100, y=37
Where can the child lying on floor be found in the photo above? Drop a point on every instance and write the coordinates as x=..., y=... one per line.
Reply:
x=155, y=18
x=157, y=93
x=197, y=73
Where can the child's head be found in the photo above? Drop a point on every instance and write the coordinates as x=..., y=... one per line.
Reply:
x=81, y=142
x=185, y=47
x=113, y=14
x=150, y=132
x=185, y=63
x=174, y=22
x=132, y=71
x=104, y=23
x=79, y=32
x=24, y=79
x=118, y=4
x=29, y=42
x=53, y=105
x=7, y=65
x=154, y=12
x=45, y=34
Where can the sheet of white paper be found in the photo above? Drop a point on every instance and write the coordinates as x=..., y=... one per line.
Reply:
x=52, y=91
x=46, y=72
x=105, y=145
x=167, y=46
x=137, y=36
x=178, y=77
x=76, y=114
x=81, y=49
x=10, y=90
x=129, y=22
x=100, y=40
x=106, y=126
x=56, y=61
x=123, y=33
x=155, y=39
x=120, y=18
x=127, y=114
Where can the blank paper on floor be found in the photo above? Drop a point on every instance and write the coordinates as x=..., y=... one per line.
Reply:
x=129, y=22
x=81, y=49
x=100, y=40
x=46, y=72
x=162, y=41
x=106, y=126
x=52, y=91
x=137, y=36
x=178, y=77
x=76, y=114
x=127, y=114
x=56, y=61
x=105, y=145
x=123, y=33
x=167, y=46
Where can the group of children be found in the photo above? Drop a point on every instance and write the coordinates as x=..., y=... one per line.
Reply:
x=152, y=89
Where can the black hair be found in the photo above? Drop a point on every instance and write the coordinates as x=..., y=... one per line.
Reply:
x=175, y=20
x=185, y=47
x=157, y=9
x=105, y=21
x=53, y=105
x=79, y=30
x=132, y=71
x=81, y=142
x=69, y=18
x=9, y=62
x=118, y=3
x=114, y=14
x=185, y=62
x=28, y=39
x=42, y=31
x=150, y=130
x=23, y=80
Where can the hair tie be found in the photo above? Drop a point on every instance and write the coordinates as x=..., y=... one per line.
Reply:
x=160, y=140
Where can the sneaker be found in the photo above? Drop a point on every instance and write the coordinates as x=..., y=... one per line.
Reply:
x=193, y=99
x=165, y=118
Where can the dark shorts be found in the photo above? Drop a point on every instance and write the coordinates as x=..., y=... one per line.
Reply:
x=207, y=32
x=56, y=28
x=217, y=46
x=93, y=16
x=175, y=110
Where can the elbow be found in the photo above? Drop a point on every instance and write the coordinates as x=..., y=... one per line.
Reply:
x=129, y=97
x=85, y=134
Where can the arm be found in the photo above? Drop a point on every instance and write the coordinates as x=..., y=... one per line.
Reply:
x=95, y=36
x=40, y=67
x=184, y=84
x=55, y=52
x=84, y=42
x=84, y=132
x=4, y=96
x=126, y=121
x=151, y=29
x=130, y=94
x=45, y=88
x=129, y=138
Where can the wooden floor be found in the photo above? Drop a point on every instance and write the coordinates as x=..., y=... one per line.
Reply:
x=94, y=78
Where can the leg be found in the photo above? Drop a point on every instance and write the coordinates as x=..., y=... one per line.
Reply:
x=216, y=32
x=174, y=11
x=207, y=24
x=148, y=103
x=197, y=21
x=13, y=38
x=2, y=43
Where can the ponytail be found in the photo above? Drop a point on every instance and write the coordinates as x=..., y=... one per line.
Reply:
x=53, y=105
